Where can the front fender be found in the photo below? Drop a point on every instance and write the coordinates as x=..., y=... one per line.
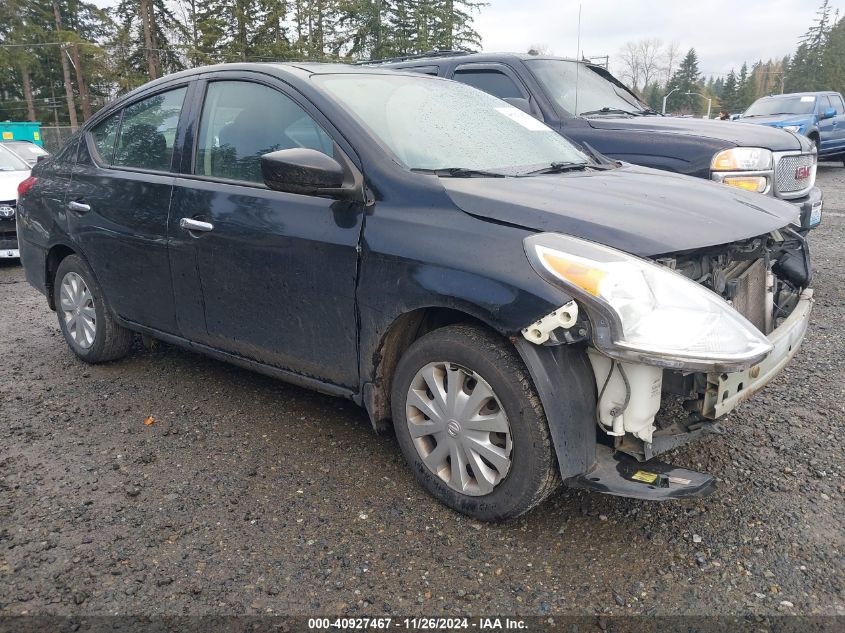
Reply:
x=564, y=380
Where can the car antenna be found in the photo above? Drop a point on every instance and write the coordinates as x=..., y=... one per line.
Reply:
x=577, y=60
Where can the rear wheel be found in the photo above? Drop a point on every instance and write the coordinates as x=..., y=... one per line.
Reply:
x=87, y=324
x=470, y=424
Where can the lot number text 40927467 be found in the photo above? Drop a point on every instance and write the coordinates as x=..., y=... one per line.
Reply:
x=416, y=624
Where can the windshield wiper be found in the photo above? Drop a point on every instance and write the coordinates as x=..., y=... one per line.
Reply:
x=562, y=166
x=607, y=110
x=461, y=172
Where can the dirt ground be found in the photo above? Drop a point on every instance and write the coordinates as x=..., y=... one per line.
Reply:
x=250, y=496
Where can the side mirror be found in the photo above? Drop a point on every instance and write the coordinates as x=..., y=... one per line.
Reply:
x=829, y=113
x=519, y=102
x=41, y=157
x=304, y=171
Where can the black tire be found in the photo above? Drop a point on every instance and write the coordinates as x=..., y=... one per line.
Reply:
x=110, y=341
x=533, y=473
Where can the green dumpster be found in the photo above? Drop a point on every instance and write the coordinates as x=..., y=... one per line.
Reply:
x=21, y=131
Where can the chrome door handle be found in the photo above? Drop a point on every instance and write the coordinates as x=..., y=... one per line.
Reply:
x=79, y=207
x=189, y=224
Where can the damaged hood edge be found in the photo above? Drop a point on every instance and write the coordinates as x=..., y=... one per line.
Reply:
x=638, y=210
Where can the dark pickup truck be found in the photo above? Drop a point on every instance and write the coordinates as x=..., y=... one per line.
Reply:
x=587, y=104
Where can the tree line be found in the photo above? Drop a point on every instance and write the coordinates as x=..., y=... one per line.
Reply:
x=67, y=58
x=654, y=70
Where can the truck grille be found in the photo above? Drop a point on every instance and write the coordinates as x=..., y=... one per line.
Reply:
x=794, y=172
x=748, y=281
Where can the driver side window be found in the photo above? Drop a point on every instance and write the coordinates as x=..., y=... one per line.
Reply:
x=241, y=121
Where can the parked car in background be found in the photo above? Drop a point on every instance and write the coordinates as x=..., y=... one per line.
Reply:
x=13, y=171
x=28, y=151
x=588, y=105
x=516, y=307
x=820, y=116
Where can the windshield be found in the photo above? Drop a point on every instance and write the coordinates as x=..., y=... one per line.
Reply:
x=10, y=162
x=27, y=151
x=432, y=124
x=781, y=105
x=594, y=92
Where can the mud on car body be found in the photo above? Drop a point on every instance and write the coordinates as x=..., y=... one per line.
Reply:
x=515, y=309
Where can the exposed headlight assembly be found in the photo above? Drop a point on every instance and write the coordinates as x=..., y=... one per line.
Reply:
x=748, y=168
x=795, y=129
x=743, y=159
x=643, y=312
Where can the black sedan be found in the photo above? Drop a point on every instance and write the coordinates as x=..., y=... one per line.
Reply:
x=514, y=308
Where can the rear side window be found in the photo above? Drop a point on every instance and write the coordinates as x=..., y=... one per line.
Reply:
x=241, y=121
x=148, y=131
x=104, y=136
x=493, y=82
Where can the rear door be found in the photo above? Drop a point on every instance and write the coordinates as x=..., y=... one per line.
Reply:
x=118, y=203
x=270, y=276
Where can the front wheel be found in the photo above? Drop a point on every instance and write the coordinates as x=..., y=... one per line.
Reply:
x=470, y=424
x=84, y=318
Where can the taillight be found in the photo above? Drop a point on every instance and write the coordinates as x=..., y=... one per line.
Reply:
x=26, y=185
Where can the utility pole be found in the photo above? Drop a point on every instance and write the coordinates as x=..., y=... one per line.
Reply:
x=71, y=105
x=709, y=100
x=666, y=97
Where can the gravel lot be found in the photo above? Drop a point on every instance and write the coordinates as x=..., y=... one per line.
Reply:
x=249, y=496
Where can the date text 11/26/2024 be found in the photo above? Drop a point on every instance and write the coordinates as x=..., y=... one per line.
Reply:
x=417, y=624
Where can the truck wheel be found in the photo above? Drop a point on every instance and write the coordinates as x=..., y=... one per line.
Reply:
x=84, y=318
x=470, y=424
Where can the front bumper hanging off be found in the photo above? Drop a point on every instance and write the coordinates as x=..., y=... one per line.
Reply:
x=726, y=391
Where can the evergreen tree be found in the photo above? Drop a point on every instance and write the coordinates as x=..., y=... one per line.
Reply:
x=653, y=96
x=729, y=99
x=687, y=82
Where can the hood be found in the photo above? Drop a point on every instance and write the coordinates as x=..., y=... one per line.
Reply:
x=9, y=181
x=731, y=132
x=641, y=211
x=780, y=119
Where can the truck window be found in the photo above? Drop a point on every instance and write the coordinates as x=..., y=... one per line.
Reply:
x=493, y=82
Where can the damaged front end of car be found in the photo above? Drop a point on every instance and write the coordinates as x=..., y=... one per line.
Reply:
x=695, y=333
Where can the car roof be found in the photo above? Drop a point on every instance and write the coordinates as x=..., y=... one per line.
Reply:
x=801, y=94
x=282, y=70
x=428, y=59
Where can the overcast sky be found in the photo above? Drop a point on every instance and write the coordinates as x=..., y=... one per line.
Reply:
x=724, y=33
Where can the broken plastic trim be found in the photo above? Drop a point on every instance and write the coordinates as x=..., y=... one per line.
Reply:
x=564, y=317
x=623, y=476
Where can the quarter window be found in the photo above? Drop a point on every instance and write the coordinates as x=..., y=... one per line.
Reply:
x=241, y=121
x=104, y=135
x=493, y=82
x=148, y=132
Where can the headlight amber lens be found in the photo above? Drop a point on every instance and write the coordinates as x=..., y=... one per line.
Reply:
x=660, y=313
x=749, y=183
x=743, y=159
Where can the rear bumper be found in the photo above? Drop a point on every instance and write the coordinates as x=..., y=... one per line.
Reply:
x=726, y=391
x=34, y=262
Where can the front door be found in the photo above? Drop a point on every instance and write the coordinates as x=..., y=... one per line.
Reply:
x=268, y=276
x=838, y=125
